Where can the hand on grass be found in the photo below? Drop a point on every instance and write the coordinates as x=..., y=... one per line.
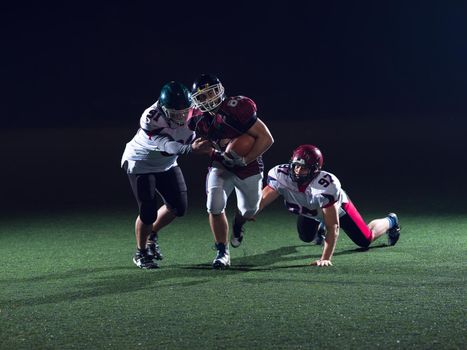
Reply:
x=321, y=263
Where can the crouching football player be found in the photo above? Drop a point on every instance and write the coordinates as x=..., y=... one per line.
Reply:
x=318, y=199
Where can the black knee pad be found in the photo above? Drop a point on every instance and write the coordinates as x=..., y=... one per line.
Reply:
x=307, y=228
x=178, y=204
x=148, y=212
x=306, y=238
x=178, y=212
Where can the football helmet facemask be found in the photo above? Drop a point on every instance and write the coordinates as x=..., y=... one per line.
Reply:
x=308, y=157
x=207, y=92
x=175, y=100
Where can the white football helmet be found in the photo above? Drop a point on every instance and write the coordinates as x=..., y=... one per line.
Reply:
x=207, y=93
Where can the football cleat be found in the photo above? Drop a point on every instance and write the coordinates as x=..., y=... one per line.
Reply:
x=153, y=248
x=394, y=232
x=222, y=260
x=237, y=235
x=320, y=235
x=144, y=261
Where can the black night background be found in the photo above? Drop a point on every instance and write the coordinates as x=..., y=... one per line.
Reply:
x=379, y=86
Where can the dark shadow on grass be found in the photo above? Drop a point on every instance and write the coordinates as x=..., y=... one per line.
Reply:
x=361, y=250
x=252, y=262
x=259, y=261
x=65, y=274
x=129, y=279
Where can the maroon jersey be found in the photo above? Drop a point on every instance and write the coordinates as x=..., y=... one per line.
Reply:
x=233, y=118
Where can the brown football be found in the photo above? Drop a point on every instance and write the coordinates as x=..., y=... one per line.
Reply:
x=241, y=145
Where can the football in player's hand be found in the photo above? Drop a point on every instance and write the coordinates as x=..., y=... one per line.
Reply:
x=241, y=145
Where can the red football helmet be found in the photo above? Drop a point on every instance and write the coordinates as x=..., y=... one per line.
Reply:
x=307, y=156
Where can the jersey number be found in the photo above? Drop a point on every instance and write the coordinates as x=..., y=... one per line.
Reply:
x=284, y=169
x=325, y=180
x=299, y=210
x=234, y=101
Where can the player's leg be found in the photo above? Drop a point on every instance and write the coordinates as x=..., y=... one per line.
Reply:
x=219, y=185
x=362, y=235
x=310, y=230
x=144, y=190
x=354, y=226
x=248, y=192
x=388, y=225
x=164, y=217
x=172, y=188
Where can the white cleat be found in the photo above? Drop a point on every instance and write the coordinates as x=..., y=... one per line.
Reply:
x=222, y=260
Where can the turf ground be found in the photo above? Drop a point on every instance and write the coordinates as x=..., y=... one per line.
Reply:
x=67, y=281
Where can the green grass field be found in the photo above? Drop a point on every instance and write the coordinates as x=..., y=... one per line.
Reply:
x=67, y=281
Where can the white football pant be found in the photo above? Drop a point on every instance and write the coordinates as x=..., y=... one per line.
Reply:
x=219, y=185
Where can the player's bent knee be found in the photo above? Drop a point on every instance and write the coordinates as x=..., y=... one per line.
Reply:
x=306, y=238
x=215, y=212
x=148, y=213
x=147, y=219
x=248, y=213
x=179, y=212
x=364, y=244
x=216, y=207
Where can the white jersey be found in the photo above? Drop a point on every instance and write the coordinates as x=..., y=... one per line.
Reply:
x=157, y=144
x=323, y=191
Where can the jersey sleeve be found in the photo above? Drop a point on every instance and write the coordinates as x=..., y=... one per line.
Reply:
x=240, y=113
x=151, y=119
x=165, y=143
x=330, y=190
x=154, y=126
x=272, y=178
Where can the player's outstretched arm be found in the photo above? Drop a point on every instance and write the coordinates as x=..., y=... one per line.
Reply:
x=202, y=146
x=331, y=220
x=268, y=196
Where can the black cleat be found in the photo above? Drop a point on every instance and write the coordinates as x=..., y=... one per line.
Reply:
x=237, y=235
x=154, y=250
x=320, y=235
x=144, y=261
x=394, y=232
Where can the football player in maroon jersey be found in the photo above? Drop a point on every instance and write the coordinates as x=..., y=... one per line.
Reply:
x=219, y=119
x=317, y=197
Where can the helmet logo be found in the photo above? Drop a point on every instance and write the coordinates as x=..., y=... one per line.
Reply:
x=299, y=161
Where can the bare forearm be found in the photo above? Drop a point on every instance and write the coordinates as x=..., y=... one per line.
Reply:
x=330, y=242
x=263, y=140
x=268, y=196
x=260, y=146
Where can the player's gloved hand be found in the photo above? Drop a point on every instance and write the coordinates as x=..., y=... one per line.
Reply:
x=321, y=263
x=232, y=159
x=201, y=146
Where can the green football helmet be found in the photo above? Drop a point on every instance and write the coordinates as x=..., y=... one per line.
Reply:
x=175, y=101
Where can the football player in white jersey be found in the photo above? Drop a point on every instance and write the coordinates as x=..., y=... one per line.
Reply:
x=150, y=160
x=317, y=197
